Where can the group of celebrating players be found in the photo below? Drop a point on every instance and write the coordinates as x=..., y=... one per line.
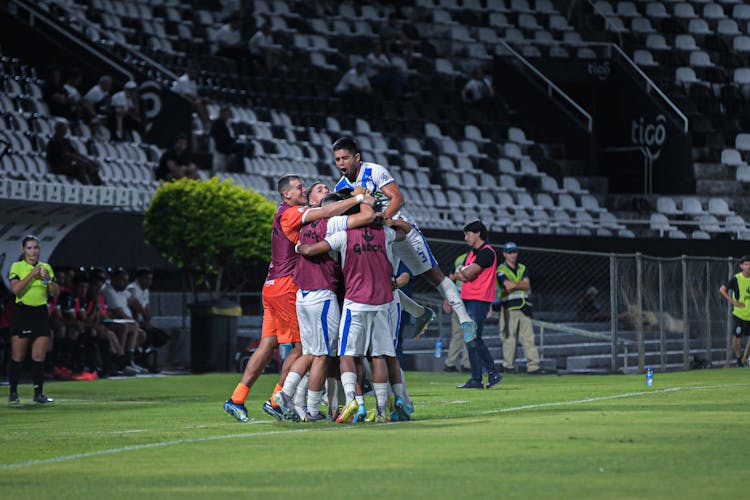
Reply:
x=364, y=223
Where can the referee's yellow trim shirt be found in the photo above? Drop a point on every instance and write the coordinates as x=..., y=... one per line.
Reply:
x=35, y=293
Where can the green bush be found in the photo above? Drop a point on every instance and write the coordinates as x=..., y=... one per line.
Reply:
x=209, y=226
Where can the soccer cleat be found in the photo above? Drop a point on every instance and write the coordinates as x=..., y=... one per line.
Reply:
x=286, y=406
x=272, y=411
x=361, y=415
x=470, y=330
x=13, y=399
x=394, y=416
x=314, y=418
x=403, y=410
x=348, y=412
x=420, y=323
x=471, y=384
x=493, y=379
x=237, y=410
x=138, y=368
x=61, y=373
x=370, y=417
x=381, y=419
x=41, y=398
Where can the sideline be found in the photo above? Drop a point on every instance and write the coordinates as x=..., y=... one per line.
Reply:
x=160, y=444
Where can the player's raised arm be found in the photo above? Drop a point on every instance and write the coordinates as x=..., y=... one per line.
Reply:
x=312, y=249
x=337, y=208
x=393, y=193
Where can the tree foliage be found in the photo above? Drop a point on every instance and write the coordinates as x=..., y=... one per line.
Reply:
x=208, y=226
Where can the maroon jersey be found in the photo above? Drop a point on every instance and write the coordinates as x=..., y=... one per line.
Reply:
x=283, y=257
x=320, y=272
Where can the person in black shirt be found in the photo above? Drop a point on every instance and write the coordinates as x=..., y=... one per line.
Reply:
x=177, y=162
x=63, y=158
x=224, y=141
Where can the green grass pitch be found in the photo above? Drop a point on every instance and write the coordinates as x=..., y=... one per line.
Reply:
x=529, y=437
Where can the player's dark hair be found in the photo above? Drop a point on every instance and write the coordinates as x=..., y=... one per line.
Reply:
x=285, y=182
x=744, y=258
x=331, y=198
x=476, y=226
x=27, y=238
x=346, y=143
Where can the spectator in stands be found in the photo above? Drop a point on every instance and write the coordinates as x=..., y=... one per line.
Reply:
x=354, y=87
x=129, y=334
x=478, y=291
x=229, y=40
x=264, y=50
x=125, y=113
x=384, y=75
x=396, y=38
x=457, y=345
x=53, y=93
x=737, y=292
x=31, y=281
x=177, y=162
x=96, y=100
x=64, y=159
x=515, y=310
x=224, y=140
x=187, y=86
x=480, y=93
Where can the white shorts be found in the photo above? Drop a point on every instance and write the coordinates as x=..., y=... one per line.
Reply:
x=365, y=332
x=414, y=252
x=318, y=315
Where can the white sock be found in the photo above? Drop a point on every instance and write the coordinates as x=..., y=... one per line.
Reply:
x=413, y=308
x=290, y=383
x=381, y=396
x=360, y=399
x=313, y=402
x=398, y=390
x=332, y=390
x=300, y=396
x=349, y=381
x=450, y=293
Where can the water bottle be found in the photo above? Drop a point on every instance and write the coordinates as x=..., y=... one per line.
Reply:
x=439, y=347
x=649, y=376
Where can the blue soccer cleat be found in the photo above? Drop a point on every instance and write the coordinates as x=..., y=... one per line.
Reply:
x=274, y=412
x=404, y=410
x=360, y=415
x=470, y=330
x=238, y=411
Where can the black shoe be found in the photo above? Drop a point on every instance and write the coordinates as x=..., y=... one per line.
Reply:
x=41, y=398
x=447, y=368
x=494, y=379
x=471, y=384
x=13, y=399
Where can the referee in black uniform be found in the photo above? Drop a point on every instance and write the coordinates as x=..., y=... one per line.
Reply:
x=31, y=281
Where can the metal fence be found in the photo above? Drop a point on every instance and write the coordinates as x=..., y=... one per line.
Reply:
x=665, y=312
x=629, y=310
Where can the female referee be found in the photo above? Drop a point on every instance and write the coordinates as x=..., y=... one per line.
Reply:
x=30, y=281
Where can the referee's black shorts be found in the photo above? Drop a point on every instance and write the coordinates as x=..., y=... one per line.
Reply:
x=741, y=327
x=30, y=322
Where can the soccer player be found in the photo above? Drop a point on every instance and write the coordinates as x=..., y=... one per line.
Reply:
x=366, y=255
x=317, y=306
x=280, y=328
x=413, y=251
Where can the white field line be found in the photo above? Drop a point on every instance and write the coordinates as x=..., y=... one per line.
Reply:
x=160, y=444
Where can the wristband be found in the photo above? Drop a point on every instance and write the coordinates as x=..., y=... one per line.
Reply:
x=360, y=197
x=296, y=247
